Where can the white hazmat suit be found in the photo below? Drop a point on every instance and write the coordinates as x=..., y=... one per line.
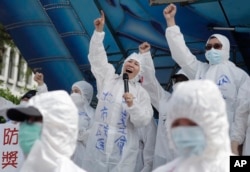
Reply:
x=159, y=97
x=201, y=102
x=113, y=141
x=57, y=142
x=86, y=116
x=241, y=126
x=229, y=78
x=145, y=156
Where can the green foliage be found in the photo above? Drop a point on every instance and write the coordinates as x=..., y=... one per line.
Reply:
x=5, y=37
x=2, y=120
x=6, y=93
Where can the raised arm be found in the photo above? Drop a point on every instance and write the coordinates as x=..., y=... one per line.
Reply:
x=42, y=87
x=97, y=56
x=99, y=22
x=150, y=82
x=169, y=14
x=179, y=50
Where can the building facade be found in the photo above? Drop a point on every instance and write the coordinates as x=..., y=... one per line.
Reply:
x=14, y=71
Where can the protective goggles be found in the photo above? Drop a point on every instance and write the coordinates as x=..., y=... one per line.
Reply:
x=215, y=46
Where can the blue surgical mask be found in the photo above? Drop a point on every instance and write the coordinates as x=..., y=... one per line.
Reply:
x=189, y=140
x=28, y=134
x=214, y=56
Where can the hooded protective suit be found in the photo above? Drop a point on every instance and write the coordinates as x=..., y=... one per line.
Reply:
x=113, y=141
x=159, y=97
x=201, y=102
x=145, y=156
x=57, y=143
x=86, y=116
x=229, y=78
x=241, y=126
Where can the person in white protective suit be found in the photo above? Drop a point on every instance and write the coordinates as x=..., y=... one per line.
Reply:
x=199, y=128
x=241, y=127
x=48, y=132
x=41, y=88
x=82, y=93
x=159, y=97
x=147, y=136
x=113, y=142
x=147, y=139
x=230, y=79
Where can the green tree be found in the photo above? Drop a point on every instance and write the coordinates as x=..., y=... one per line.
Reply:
x=6, y=93
x=5, y=37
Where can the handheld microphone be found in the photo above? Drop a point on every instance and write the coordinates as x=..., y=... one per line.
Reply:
x=125, y=79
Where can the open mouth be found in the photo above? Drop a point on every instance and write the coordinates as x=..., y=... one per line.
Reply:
x=128, y=71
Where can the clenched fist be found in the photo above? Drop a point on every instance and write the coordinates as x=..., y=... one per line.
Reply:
x=144, y=47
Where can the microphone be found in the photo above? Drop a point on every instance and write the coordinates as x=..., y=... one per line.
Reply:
x=125, y=79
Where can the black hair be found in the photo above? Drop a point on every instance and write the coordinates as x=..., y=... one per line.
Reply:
x=179, y=78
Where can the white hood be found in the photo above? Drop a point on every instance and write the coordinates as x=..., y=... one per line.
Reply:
x=59, y=131
x=138, y=58
x=86, y=89
x=225, y=45
x=201, y=102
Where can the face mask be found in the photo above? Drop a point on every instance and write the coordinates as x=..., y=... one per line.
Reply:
x=28, y=134
x=189, y=140
x=77, y=99
x=214, y=56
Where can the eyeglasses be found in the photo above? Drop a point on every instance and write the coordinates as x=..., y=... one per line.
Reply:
x=215, y=46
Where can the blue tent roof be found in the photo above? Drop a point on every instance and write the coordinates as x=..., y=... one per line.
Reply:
x=54, y=35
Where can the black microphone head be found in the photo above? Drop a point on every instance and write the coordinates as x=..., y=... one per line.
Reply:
x=125, y=76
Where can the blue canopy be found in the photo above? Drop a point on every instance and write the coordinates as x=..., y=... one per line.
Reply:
x=54, y=34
